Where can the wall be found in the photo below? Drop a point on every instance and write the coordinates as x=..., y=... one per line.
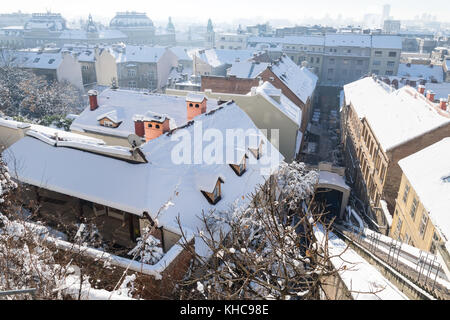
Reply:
x=70, y=70
x=228, y=84
x=163, y=67
x=106, y=68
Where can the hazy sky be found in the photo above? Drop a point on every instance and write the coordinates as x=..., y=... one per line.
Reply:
x=223, y=10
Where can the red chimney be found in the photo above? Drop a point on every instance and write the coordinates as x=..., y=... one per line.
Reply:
x=443, y=104
x=430, y=95
x=93, y=99
x=421, y=89
x=195, y=104
x=139, y=127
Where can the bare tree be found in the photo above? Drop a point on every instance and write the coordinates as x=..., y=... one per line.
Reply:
x=267, y=250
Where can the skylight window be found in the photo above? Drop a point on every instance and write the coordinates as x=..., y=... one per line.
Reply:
x=446, y=179
x=36, y=60
x=51, y=61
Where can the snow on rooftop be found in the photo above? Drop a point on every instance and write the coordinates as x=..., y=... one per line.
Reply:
x=129, y=104
x=195, y=97
x=348, y=40
x=428, y=171
x=219, y=57
x=146, y=187
x=32, y=59
x=327, y=177
x=299, y=80
x=421, y=71
x=84, y=35
x=181, y=53
x=143, y=54
x=247, y=69
x=286, y=106
x=396, y=116
x=386, y=42
x=441, y=90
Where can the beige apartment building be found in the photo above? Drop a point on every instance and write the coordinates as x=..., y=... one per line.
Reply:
x=380, y=126
x=423, y=202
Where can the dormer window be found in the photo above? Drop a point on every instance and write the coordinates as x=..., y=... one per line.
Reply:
x=109, y=119
x=257, y=152
x=239, y=168
x=210, y=190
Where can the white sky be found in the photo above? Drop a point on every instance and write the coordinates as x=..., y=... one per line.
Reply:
x=228, y=10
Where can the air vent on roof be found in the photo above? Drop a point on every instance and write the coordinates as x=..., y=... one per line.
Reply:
x=446, y=179
x=51, y=61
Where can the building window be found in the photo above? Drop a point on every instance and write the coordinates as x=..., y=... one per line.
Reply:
x=376, y=62
x=108, y=123
x=398, y=230
x=317, y=60
x=391, y=64
x=330, y=71
x=423, y=224
x=405, y=193
x=376, y=71
x=413, y=209
x=131, y=73
x=407, y=238
x=389, y=72
x=434, y=243
x=392, y=54
x=346, y=61
x=216, y=194
x=332, y=61
x=378, y=53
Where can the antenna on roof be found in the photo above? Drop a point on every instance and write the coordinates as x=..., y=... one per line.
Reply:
x=134, y=140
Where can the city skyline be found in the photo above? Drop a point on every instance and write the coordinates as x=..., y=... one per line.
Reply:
x=299, y=10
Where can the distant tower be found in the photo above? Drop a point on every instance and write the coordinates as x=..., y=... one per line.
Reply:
x=210, y=35
x=91, y=28
x=386, y=12
x=170, y=27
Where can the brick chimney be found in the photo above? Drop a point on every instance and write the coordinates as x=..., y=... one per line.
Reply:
x=139, y=129
x=93, y=99
x=430, y=95
x=195, y=104
x=154, y=125
x=421, y=89
x=443, y=104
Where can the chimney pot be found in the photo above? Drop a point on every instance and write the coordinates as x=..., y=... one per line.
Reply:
x=93, y=99
x=421, y=89
x=443, y=104
x=196, y=105
x=430, y=95
x=139, y=128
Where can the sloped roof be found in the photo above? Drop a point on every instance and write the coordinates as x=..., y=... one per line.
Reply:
x=128, y=104
x=421, y=71
x=395, y=116
x=218, y=57
x=247, y=69
x=286, y=106
x=386, y=42
x=146, y=187
x=299, y=80
x=426, y=171
x=348, y=40
x=143, y=54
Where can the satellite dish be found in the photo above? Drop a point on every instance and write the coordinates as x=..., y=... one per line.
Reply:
x=134, y=140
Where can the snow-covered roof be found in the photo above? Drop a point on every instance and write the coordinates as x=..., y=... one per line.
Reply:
x=441, y=90
x=143, y=54
x=147, y=187
x=299, y=80
x=327, y=177
x=114, y=115
x=33, y=59
x=395, y=116
x=348, y=40
x=195, y=97
x=247, y=69
x=421, y=71
x=428, y=171
x=386, y=42
x=128, y=104
x=286, y=106
x=181, y=53
x=219, y=57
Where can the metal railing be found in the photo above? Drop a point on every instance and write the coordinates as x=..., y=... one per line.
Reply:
x=31, y=291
